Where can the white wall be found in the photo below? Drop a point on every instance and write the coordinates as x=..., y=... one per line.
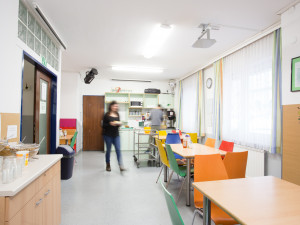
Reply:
x=290, y=23
x=11, y=61
x=74, y=88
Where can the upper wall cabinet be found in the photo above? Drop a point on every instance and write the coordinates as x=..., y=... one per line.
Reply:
x=166, y=101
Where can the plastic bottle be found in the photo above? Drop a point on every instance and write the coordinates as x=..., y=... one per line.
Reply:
x=185, y=141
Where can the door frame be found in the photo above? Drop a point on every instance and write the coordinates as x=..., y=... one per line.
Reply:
x=53, y=102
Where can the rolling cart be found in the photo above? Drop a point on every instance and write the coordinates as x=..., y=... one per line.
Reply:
x=142, y=150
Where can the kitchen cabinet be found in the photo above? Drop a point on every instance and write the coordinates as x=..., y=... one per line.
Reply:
x=126, y=136
x=166, y=101
x=39, y=203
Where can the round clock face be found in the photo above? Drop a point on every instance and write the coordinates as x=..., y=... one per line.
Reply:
x=208, y=82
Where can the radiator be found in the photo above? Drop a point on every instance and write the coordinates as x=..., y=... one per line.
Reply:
x=256, y=161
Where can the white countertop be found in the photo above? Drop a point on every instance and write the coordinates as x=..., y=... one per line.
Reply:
x=34, y=169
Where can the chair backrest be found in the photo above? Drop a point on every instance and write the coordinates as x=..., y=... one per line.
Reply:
x=172, y=159
x=173, y=138
x=208, y=168
x=162, y=153
x=162, y=132
x=210, y=142
x=235, y=164
x=227, y=146
x=173, y=210
x=194, y=137
x=73, y=139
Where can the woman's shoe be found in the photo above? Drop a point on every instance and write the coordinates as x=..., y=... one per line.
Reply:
x=122, y=168
x=108, y=167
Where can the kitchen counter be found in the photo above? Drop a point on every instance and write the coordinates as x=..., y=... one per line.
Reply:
x=34, y=169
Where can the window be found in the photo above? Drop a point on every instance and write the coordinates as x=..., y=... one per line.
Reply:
x=189, y=104
x=247, y=95
x=209, y=94
x=35, y=37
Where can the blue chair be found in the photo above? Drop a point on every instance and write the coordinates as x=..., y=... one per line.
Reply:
x=173, y=139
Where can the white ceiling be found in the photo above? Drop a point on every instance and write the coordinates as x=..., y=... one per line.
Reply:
x=101, y=33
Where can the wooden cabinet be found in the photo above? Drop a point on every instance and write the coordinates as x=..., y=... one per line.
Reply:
x=38, y=204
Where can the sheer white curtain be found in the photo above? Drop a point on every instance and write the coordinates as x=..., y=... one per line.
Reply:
x=189, y=104
x=209, y=94
x=247, y=95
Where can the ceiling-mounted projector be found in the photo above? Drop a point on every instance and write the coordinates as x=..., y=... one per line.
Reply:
x=202, y=42
x=90, y=75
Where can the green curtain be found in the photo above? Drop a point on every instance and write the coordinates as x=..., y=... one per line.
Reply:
x=218, y=100
x=276, y=94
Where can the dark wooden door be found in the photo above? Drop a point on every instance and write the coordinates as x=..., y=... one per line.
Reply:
x=93, y=112
x=42, y=111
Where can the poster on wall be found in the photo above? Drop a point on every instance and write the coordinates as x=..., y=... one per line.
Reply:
x=295, y=74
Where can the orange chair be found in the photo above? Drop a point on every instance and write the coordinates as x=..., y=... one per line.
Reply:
x=210, y=142
x=227, y=146
x=235, y=164
x=210, y=168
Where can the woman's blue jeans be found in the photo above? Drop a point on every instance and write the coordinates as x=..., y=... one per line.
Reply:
x=116, y=142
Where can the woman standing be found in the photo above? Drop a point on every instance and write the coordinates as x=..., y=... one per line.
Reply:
x=111, y=124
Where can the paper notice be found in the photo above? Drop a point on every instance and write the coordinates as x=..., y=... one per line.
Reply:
x=43, y=107
x=44, y=92
x=12, y=131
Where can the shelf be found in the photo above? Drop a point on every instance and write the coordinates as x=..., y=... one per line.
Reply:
x=134, y=115
x=135, y=107
x=119, y=102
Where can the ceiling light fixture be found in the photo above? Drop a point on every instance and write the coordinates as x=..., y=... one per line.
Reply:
x=137, y=69
x=156, y=40
x=202, y=42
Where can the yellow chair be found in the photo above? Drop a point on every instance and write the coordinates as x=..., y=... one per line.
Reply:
x=163, y=156
x=147, y=130
x=162, y=133
x=194, y=137
x=210, y=142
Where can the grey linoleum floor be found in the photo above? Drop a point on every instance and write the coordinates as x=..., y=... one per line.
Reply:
x=93, y=196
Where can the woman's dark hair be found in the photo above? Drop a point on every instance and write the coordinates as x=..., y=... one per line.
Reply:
x=110, y=105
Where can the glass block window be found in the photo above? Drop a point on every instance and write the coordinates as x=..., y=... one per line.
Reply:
x=35, y=37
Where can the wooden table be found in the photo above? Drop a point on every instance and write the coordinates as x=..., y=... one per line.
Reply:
x=66, y=138
x=188, y=154
x=258, y=200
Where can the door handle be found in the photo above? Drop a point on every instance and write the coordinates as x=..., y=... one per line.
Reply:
x=39, y=202
x=47, y=193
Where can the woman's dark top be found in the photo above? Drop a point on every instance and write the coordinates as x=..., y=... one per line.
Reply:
x=109, y=130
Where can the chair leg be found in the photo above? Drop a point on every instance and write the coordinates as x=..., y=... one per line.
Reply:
x=159, y=173
x=169, y=179
x=197, y=211
x=180, y=189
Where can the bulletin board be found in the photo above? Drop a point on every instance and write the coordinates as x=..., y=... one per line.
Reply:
x=7, y=119
x=291, y=144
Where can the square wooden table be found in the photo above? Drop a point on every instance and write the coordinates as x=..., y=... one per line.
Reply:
x=252, y=201
x=188, y=154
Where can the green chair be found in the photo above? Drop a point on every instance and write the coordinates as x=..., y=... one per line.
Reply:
x=73, y=139
x=180, y=170
x=173, y=210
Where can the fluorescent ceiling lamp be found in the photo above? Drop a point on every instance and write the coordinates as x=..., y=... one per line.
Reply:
x=137, y=69
x=157, y=39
